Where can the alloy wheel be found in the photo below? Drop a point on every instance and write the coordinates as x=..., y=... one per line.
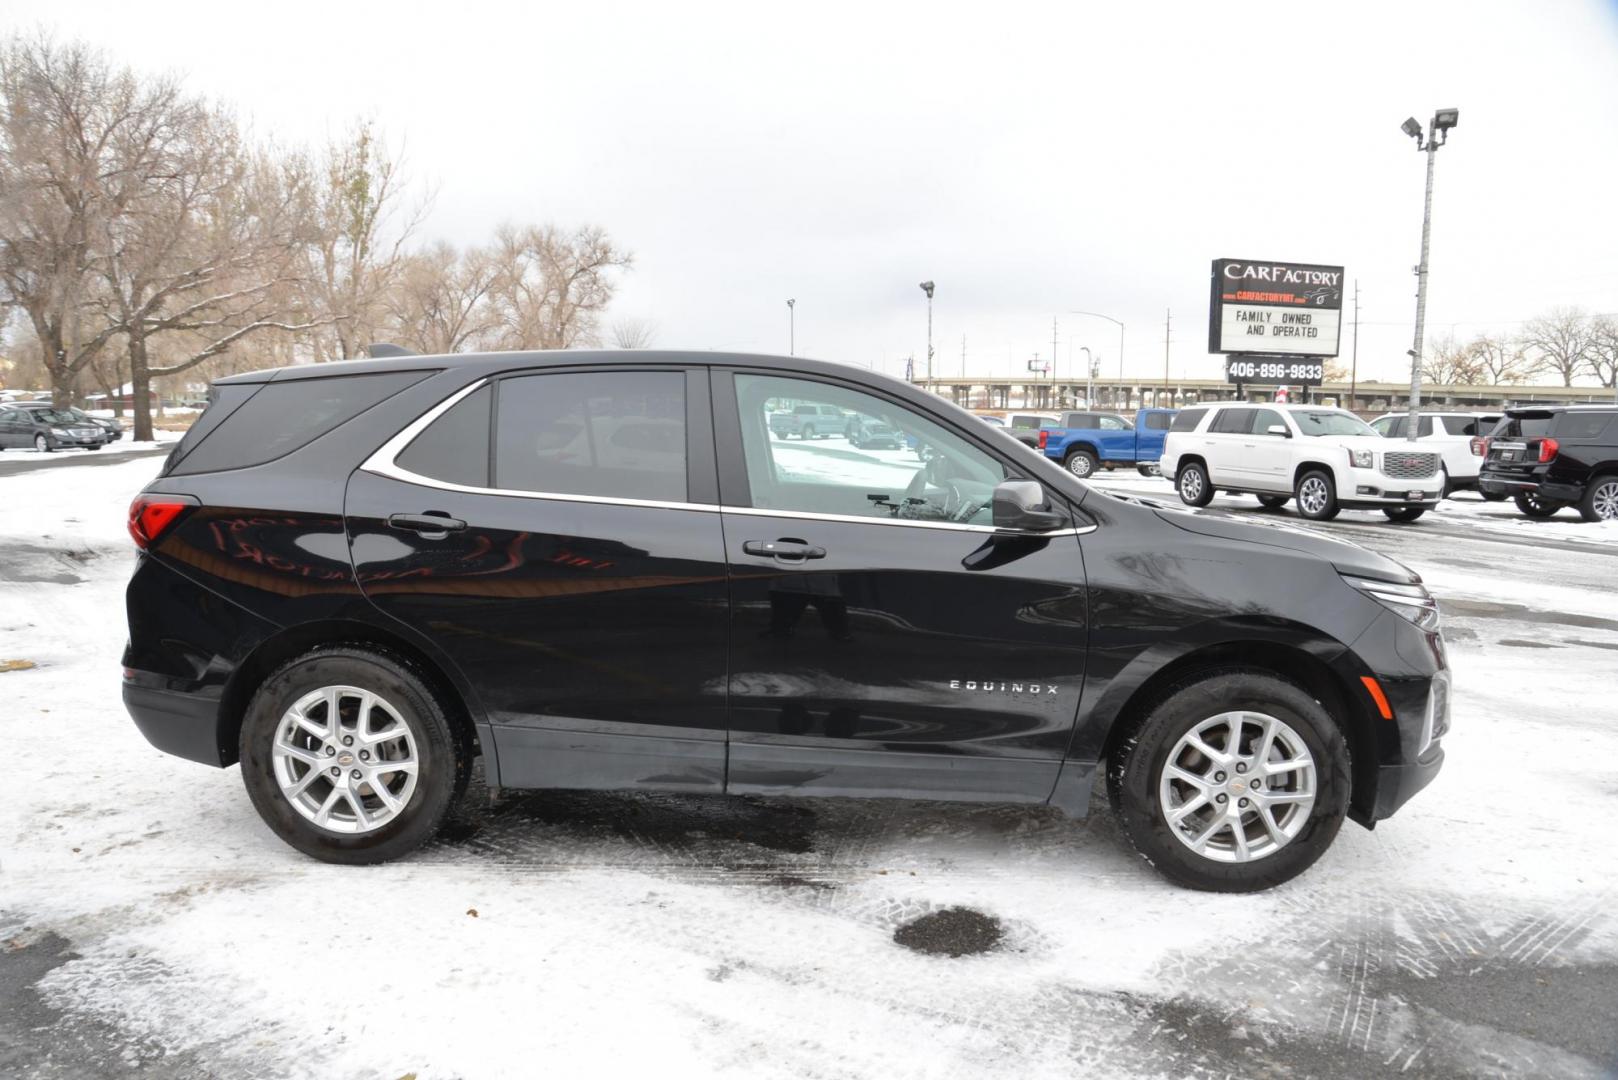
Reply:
x=1237, y=787
x=1312, y=495
x=1080, y=465
x=1191, y=485
x=1604, y=501
x=345, y=759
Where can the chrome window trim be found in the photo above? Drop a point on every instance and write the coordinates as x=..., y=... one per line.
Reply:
x=383, y=463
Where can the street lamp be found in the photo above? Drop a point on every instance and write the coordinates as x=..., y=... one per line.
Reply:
x=927, y=287
x=792, y=328
x=1120, y=325
x=1090, y=387
x=1443, y=120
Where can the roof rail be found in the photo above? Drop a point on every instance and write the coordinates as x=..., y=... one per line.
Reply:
x=384, y=348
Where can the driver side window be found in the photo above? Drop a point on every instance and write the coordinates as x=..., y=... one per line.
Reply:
x=904, y=465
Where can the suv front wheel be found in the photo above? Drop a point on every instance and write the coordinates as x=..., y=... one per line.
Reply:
x=1317, y=496
x=349, y=755
x=1234, y=781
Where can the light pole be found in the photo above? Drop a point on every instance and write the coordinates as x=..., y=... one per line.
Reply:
x=1120, y=325
x=1090, y=387
x=792, y=328
x=1436, y=136
x=927, y=287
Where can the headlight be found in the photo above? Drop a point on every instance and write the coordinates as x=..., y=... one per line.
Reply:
x=1411, y=602
x=1362, y=459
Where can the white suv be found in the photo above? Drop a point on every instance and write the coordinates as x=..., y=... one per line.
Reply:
x=1459, y=438
x=1328, y=459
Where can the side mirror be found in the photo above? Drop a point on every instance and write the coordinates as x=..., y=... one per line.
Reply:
x=1279, y=429
x=1020, y=504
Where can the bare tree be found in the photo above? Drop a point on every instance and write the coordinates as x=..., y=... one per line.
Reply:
x=1500, y=359
x=552, y=287
x=1602, y=355
x=1447, y=363
x=440, y=302
x=77, y=142
x=633, y=333
x=1560, y=340
x=359, y=231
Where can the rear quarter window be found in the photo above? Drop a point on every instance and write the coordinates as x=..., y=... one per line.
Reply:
x=455, y=447
x=1187, y=419
x=284, y=416
x=1580, y=426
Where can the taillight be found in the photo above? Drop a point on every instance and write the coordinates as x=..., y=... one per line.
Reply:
x=1044, y=437
x=150, y=516
x=1548, y=448
x=1480, y=446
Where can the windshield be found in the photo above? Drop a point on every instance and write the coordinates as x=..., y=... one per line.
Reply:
x=54, y=416
x=1332, y=422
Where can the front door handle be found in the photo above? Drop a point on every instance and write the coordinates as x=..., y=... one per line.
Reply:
x=430, y=526
x=790, y=550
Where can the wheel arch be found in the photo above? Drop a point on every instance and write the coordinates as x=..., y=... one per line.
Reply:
x=1301, y=666
x=1189, y=459
x=294, y=641
x=1074, y=447
x=1310, y=466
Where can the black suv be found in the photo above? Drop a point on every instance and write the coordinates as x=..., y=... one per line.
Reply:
x=598, y=570
x=1549, y=457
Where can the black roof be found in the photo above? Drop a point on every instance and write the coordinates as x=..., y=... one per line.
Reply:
x=488, y=363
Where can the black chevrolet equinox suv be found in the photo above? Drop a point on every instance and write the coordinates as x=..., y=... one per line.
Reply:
x=604, y=570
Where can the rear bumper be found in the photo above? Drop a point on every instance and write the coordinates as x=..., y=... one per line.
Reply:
x=185, y=725
x=1502, y=483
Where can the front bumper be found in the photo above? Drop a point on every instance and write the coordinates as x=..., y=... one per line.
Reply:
x=62, y=442
x=1370, y=488
x=1395, y=784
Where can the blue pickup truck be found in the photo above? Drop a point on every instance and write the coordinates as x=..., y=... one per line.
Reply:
x=1087, y=440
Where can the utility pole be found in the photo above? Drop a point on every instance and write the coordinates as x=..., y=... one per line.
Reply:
x=963, y=356
x=1053, y=359
x=1436, y=136
x=792, y=328
x=927, y=287
x=1168, y=323
x=1354, y=363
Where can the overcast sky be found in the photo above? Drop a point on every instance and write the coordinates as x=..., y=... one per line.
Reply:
x=1030, y=159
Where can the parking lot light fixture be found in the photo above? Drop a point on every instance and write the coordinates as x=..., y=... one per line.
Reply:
x=1437, y=135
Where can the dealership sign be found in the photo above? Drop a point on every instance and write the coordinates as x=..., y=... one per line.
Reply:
x=1273, y=308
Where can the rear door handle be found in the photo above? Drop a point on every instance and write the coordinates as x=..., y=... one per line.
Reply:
x=432, y=526
x=782, y=549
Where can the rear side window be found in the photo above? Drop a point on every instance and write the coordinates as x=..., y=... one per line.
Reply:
x=614, y=434
x=1580, y=426
x=1233, y=422
x=1187, y=419
x=1111, y=423
x=1460, y=425
x=222, y=401
x=1158, y=421
x=1526, y=427
x=285, y=416
x=1425, y=428
x=455, y=447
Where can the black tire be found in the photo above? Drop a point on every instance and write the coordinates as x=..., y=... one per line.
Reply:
x=97, y=446
x=1492, y=496
x=42, y=444
x=1311, y=507
x=1193, y=485
x=443, y=748
x=1404, y=513
x=1135, y=769
x=1149, y=470
x=808, y=432
x=1273, y=502
x=1444, y=490
x=1600, y=502
x=1080, y=463
x=1531, y=505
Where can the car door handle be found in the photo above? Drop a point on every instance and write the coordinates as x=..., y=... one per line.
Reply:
x=433, y=526
x=783, y=549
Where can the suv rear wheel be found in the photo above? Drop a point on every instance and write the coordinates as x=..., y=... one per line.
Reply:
x=1235, y=781
x=1600, y=502
x=349, y=756
x=1316, y=495
x=1535, y=507
x=1404, y=513
x=1272, y=502
x=1193, y=485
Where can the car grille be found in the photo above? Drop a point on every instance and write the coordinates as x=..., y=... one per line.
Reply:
x=86, y=433
x=1409, y=465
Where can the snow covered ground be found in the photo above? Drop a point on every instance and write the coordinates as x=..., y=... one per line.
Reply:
x=149, y=923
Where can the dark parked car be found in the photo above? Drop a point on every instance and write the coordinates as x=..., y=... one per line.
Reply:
x=1548, y=457
x=598, y=570
x=112, y=429
x=869, y=433
x=38, y=425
